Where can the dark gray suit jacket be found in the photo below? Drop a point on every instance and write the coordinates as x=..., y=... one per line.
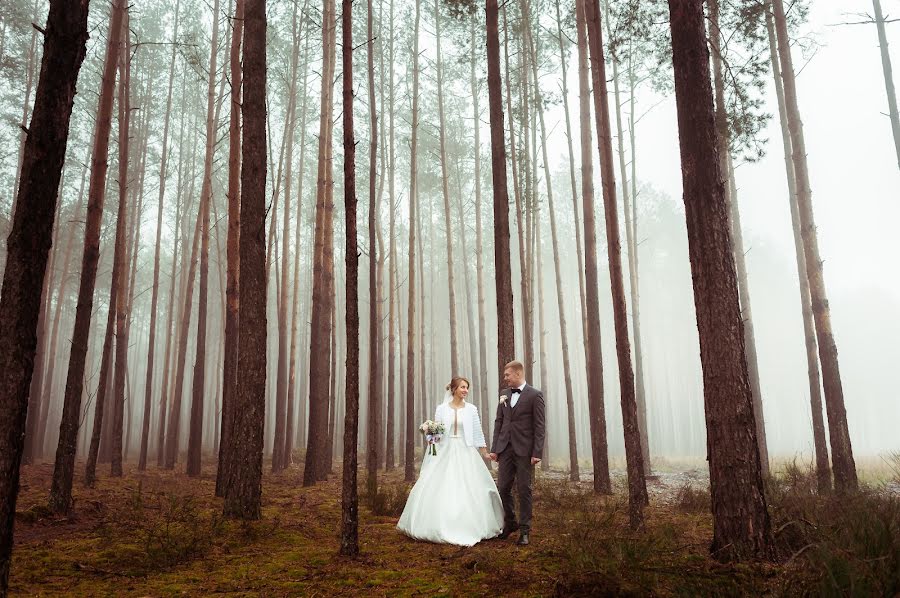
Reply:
x=520, y=427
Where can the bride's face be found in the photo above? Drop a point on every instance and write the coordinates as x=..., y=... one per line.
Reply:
x=462, y=391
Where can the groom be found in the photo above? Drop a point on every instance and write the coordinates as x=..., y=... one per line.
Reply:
x=517, y=445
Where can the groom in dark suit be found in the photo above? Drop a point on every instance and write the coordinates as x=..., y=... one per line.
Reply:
x=517, y=445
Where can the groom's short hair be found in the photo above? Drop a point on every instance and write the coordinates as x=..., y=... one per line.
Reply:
x=514, y=365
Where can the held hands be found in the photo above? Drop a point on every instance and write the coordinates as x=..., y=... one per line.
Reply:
x=535, y=460
x=493, y=457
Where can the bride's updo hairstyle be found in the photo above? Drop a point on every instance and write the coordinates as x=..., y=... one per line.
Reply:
x=455, y=383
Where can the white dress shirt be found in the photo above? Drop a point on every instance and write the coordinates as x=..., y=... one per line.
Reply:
x=516, y=395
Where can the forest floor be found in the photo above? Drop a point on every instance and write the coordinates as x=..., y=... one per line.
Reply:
x=161, y=533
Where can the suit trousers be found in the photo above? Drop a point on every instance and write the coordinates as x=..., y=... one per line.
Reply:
x=519, y=471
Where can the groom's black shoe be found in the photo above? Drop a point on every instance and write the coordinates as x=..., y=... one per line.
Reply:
x=523, y=539
x=507, y=531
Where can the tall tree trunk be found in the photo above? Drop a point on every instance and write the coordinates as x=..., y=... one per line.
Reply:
x=374, y=405
x=28, y=244
x=560, y=303
x=349, y=498
x=505, y=323
x=279, y=461
x=195, y=429
x=64, y=468
x=741, y=525
x=319, y=365
x=596, y=409
x=244, y=488
x=888, y=77
x=232, y=249
x=26, y=104
x=445, y=188
x=579, y=247
x=409, y=469
x=295, y=303
x=121, y=255
x=845, y=479
x=482, y=369
x=154, y=299
x=716, y=38
x=393, y=291
x=631, y=243
x=517, y=194
x=823, y=469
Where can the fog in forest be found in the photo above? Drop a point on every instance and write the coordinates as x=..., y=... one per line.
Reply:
x=855, y=190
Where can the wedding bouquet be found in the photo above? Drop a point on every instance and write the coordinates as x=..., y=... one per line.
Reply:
x=433, y=432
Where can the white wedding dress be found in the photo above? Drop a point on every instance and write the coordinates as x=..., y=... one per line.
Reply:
x=455, y=500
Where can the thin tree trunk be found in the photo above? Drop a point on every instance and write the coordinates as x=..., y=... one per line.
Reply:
x=232, y=249
x=317, y=441
x=349, y=498
x=122, y=253
x=279, y=461
x=154, y=299
x=579, y=251
x=295, y=304
x=845, y=479
x=741, y=525
x=244, y=488
x=596, y=409
x=445, y=188
x=410, y=445
x=64, y=468
x=505, y=323
x=631, y=243
x=888, y=77
x=823, y=469
x=482, y=369
x=195, y=429
x=560, y=303
x=374, y=405
x=28, y=245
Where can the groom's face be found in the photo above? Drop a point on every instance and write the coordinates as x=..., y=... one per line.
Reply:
x=512, y=377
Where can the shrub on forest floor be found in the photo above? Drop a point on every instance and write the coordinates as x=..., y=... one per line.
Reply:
x=691, y=499
x=835, y=545
x=160, y=530
x=389, y=501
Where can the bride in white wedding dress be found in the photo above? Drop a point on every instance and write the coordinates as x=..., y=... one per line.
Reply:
x=455, y=500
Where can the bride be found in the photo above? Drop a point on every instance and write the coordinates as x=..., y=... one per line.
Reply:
x=455, y=500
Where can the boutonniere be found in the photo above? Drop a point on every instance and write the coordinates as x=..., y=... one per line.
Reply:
x=502, y=399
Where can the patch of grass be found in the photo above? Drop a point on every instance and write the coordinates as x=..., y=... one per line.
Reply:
x=691, y=499
x=390, y=499
x=835, y=545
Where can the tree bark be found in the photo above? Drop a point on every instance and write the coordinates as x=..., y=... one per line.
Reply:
x=741, y=525
x=409, y=469
x=716, y=37
x=319, y=362
x=195, y=429
x=631, y=243
x=244, y=489
x=28, y=245
x=349, y=498
x=505, y=323
x=121, y=253
x=596, y=409
x=843, y=464
x=823, y=469
x=232, y=249
x=374, y=404
x=64, y=468
x=394, y=287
